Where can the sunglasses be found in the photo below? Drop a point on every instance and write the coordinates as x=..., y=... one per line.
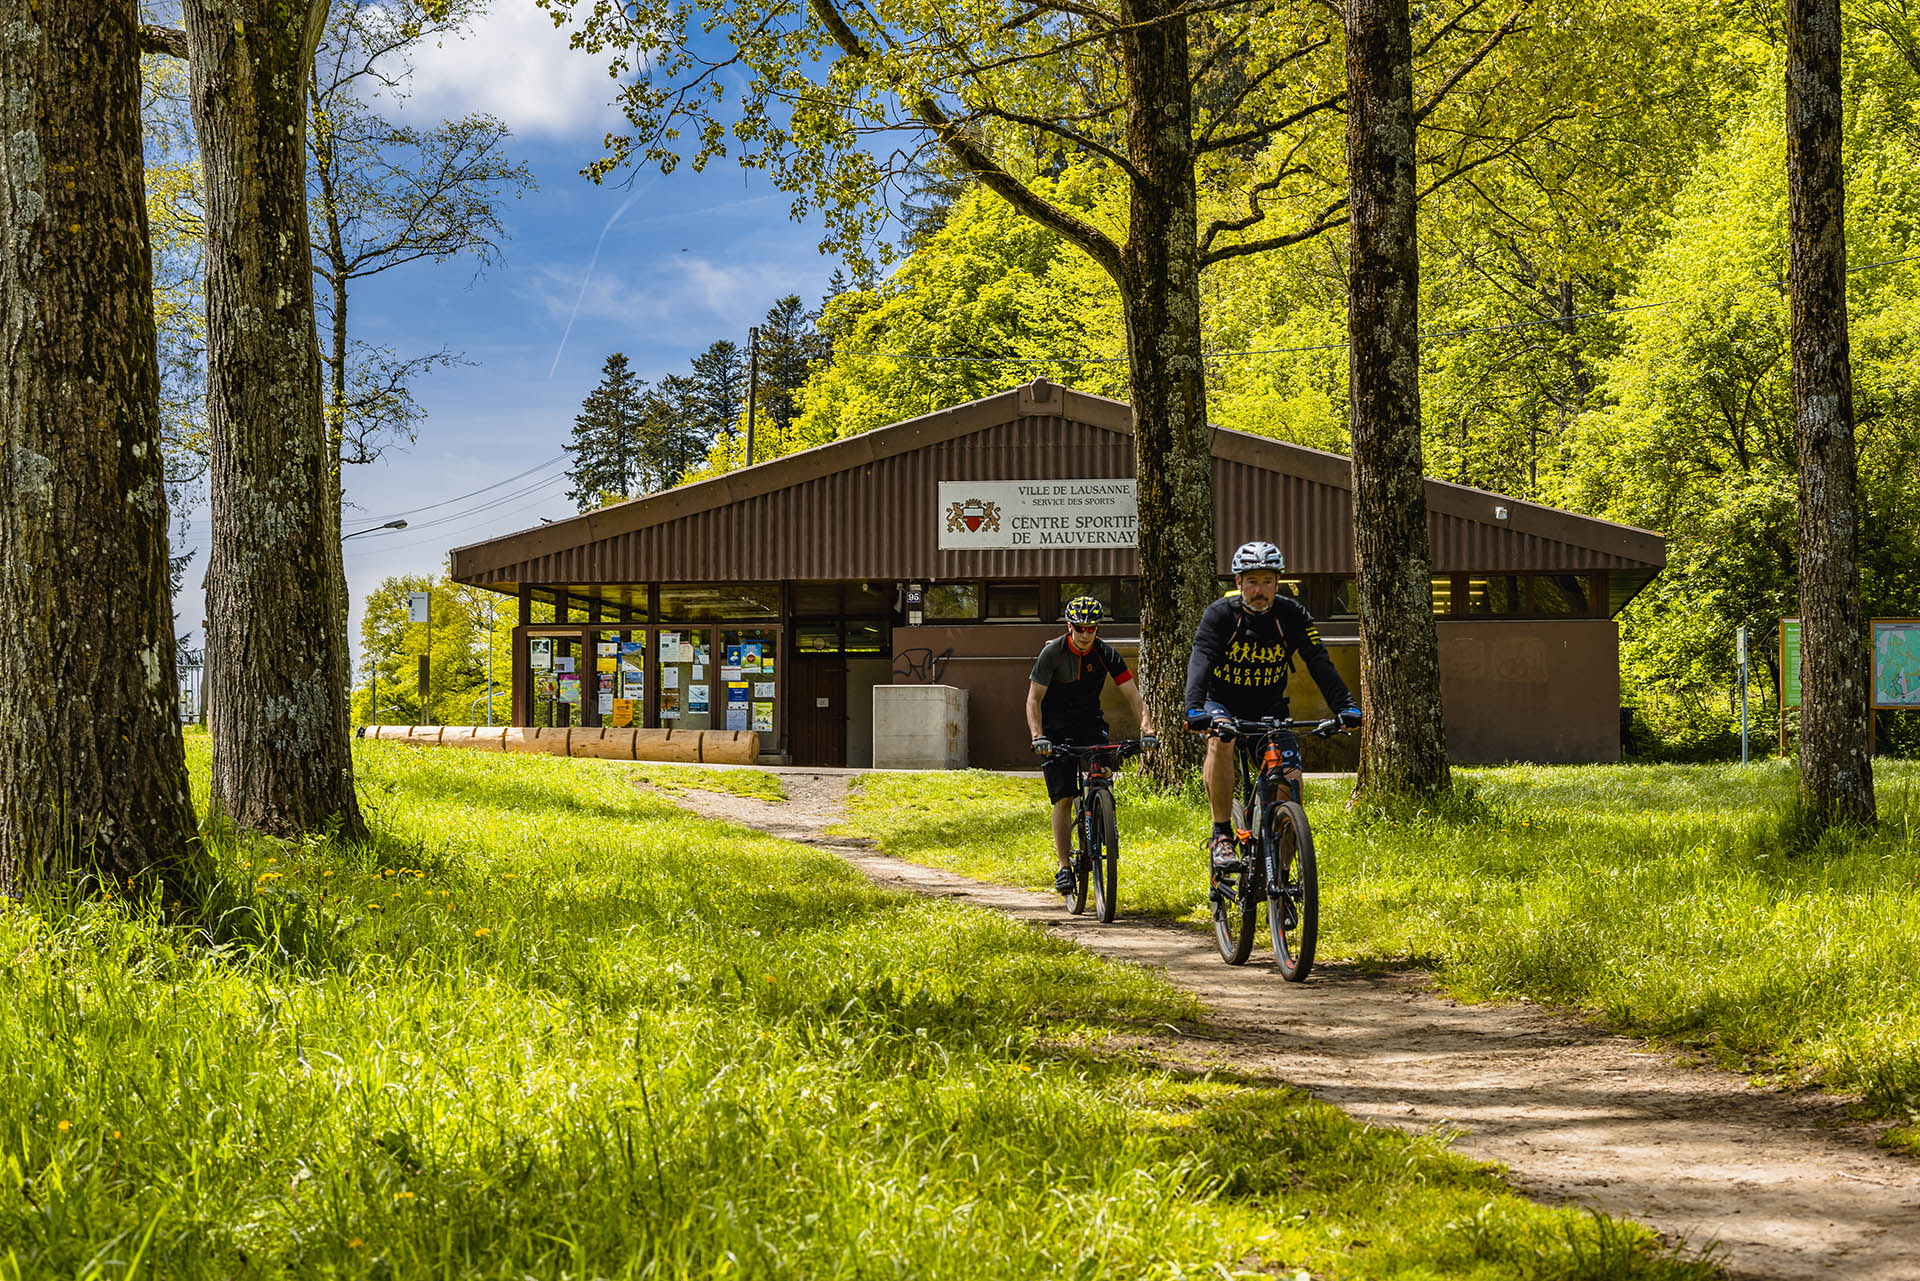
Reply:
x=1089, y=629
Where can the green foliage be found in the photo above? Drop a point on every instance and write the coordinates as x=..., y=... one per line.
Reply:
x=470, y=626
x=979, y=308
x=535, y=1027
x=1684, y=902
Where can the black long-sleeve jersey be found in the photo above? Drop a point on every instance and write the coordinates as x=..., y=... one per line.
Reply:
x=1240, y=660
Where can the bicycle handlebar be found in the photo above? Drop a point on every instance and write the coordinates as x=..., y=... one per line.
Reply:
x=1126, y=747
x=1236, y=727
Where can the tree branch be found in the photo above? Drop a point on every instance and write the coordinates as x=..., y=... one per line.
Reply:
x=977, y=161
x=168, y=41
x=1479, y=55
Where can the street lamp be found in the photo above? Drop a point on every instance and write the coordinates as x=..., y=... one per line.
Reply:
x=392, y=524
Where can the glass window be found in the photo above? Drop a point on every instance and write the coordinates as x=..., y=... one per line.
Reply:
x=1442, y=596
x=751, y=696
x=1126, y=600
x=1623, y=585
x=1562, y=594
x=1496, y=595
x=817, y=638
x=816, y=598
x=870, y=598
x=866, y=638
x=952, y=600
x=1343, y=602
x=688, y=603
x=1101, y=589
x=685, y=659
x=1013, y=600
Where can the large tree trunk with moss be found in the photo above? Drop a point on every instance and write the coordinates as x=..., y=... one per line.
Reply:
x=1403, y=746
x=277, y=657
x=92, y=773
x=1836, y=771
x=1159, y=281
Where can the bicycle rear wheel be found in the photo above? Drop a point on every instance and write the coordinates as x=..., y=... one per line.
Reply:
x=1085, y=852
x=1236, y=908
x=1293, y=906
x=1106, y=857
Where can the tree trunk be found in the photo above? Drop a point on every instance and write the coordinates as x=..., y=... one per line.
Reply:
x=1403, y=747
x=92, y=772
x=1836, y=771
x=277, y=673
x=1172, y=443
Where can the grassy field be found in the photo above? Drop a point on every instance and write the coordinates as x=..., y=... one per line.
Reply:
x=548, y=1026
x=1669, y=899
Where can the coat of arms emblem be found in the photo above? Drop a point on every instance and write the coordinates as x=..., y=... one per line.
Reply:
x=973, y=516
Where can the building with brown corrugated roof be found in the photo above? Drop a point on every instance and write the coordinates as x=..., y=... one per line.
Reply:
x=942, y=549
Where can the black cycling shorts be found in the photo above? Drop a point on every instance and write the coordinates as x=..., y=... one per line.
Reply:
x=1061, y=772
x=1063, y=777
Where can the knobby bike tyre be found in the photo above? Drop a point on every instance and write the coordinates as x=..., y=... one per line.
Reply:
x=1085, y=851
x=1106, y=857
x=1236, y=908
x=1293, y=914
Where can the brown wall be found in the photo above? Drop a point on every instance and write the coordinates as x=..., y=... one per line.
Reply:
x=1534, y=690
x=1541, y=690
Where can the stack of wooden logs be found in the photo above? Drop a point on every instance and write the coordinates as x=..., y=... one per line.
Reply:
x=710, y=746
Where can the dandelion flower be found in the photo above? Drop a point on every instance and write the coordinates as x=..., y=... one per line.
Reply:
x=66, y=1125
x=353, y=1243
x=482, y=932
x=403, y=1195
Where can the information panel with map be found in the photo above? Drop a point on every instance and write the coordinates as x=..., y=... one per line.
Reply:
x=1896, y=663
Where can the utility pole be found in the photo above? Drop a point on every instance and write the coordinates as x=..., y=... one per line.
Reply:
x=1740, y=653
x=753, y=384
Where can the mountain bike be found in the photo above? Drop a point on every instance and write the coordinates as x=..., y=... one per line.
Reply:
x=1275, y=849
x=1096, y=836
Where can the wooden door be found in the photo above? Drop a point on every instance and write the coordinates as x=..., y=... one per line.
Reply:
x=817, y=711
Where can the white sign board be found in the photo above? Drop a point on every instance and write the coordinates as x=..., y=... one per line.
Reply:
x=1037, y=513
x=417, y=607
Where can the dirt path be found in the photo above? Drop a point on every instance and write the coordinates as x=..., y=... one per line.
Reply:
x=1783, y=1183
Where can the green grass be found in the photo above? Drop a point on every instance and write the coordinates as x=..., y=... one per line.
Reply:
x=1668, y=899
x=544, y=1025
x=757, y=784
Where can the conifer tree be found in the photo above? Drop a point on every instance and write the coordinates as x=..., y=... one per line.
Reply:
x=606, y=434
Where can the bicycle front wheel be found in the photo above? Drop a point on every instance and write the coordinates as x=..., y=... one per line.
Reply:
x=1293, y=903
x=1236, y=908
x=1085, y=852
x=1106, y=857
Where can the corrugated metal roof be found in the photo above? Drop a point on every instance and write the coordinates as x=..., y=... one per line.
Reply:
x=867, y=507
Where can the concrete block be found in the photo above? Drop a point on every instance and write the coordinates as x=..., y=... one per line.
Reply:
x=919, y=727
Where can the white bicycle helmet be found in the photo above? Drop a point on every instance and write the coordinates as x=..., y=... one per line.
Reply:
x=1258, y=556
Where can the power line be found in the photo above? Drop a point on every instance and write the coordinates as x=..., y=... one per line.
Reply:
x=557, y=458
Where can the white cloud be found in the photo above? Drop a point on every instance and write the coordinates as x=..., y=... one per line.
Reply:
x=683, y=288
x=515, y=64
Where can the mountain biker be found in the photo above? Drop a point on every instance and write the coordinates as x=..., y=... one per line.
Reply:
x=1063, y=706
x=1242, y=653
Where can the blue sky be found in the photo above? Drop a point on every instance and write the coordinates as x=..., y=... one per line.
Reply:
x=682, y=260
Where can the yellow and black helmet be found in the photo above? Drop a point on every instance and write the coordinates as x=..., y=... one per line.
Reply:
x=1085, y=611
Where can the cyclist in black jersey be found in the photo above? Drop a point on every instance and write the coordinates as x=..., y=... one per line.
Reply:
x=1063, y=706
x=1241, y=656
